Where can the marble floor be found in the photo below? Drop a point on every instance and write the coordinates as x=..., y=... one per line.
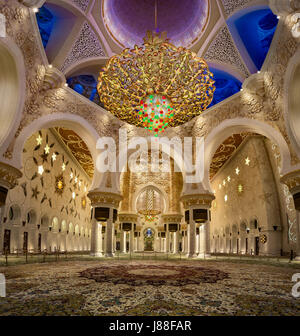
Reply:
x=149, y=287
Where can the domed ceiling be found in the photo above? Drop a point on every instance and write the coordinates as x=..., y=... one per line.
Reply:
x=234, y=37
x=128, y=20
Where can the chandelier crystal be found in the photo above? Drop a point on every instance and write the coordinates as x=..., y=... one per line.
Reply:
x=156, y=85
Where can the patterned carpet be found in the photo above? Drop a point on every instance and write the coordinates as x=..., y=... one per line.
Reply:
x=111, y=287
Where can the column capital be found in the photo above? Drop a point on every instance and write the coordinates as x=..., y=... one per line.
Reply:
x=54, y=79
x=99, y=198
x=197, y=200
x=172, y=218
x=284, y=7
x=32, y=3
x=128, y=218
x=292, y=180
x=9, y=176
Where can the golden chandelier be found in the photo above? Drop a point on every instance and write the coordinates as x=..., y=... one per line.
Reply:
x=156, y=85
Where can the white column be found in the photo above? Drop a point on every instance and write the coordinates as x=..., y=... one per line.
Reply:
x=174, y=242
x=188, y=239
x=123, y=238
x=100, y=246
x=96, y=248
x=207, y=239
x=192, y=238
x=167, y=240
x=138, y=241
x=109, y=237
x=131, y=238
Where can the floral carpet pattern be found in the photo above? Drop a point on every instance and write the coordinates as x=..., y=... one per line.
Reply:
x=176, y=288
x=154, y=275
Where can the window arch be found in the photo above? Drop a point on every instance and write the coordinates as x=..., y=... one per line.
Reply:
x=31, y=217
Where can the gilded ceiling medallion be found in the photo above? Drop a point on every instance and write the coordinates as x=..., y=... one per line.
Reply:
x=59, y=184
x=83, y=202
x=156, y=85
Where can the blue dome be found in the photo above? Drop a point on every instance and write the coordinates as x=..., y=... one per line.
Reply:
x=226, y=85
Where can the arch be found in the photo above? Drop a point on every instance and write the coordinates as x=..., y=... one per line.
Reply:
x=14, y=213
x=71, y=228
x=238, y=125
x=90, y=66
x=253, y=223
x=45, y=221
x=227, y=229
x=78, y=124
x=291, y=100
x=243, y=226
x=149, y=227
x=175, y=155
x=63, y=225
x=54, y=224
x=157, y=189
x=55, y=23
x=12, y=91
x=76, y=230
x=31, y=217
x=234, y=229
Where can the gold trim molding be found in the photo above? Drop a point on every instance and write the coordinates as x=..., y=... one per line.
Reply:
x=107, y=198
x=197, y=199
x=172, y=218
x=128, y=218
x=292, y=180
x=9, y=176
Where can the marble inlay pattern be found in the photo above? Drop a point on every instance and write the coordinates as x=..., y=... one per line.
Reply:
x=231, y=6
x=86, y=46
x=82, y=4
x=222, y=49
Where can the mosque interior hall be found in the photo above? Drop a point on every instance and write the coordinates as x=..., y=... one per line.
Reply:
x=149, y=157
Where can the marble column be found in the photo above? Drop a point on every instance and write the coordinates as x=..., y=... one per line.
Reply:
x=96, y=242
x=131, y=239
x=170, y=237
x=174, y=242
x=198, y=204
x=111, y=201
x=192, y=239
x=207, y=239
x=9, y=176
x=109, y=238
x=123, y=241
x=138, y=242
x=167, y=241
x=292, y=180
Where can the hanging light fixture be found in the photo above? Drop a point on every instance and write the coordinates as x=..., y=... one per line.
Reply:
x=148, y=207
x=156, y=85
